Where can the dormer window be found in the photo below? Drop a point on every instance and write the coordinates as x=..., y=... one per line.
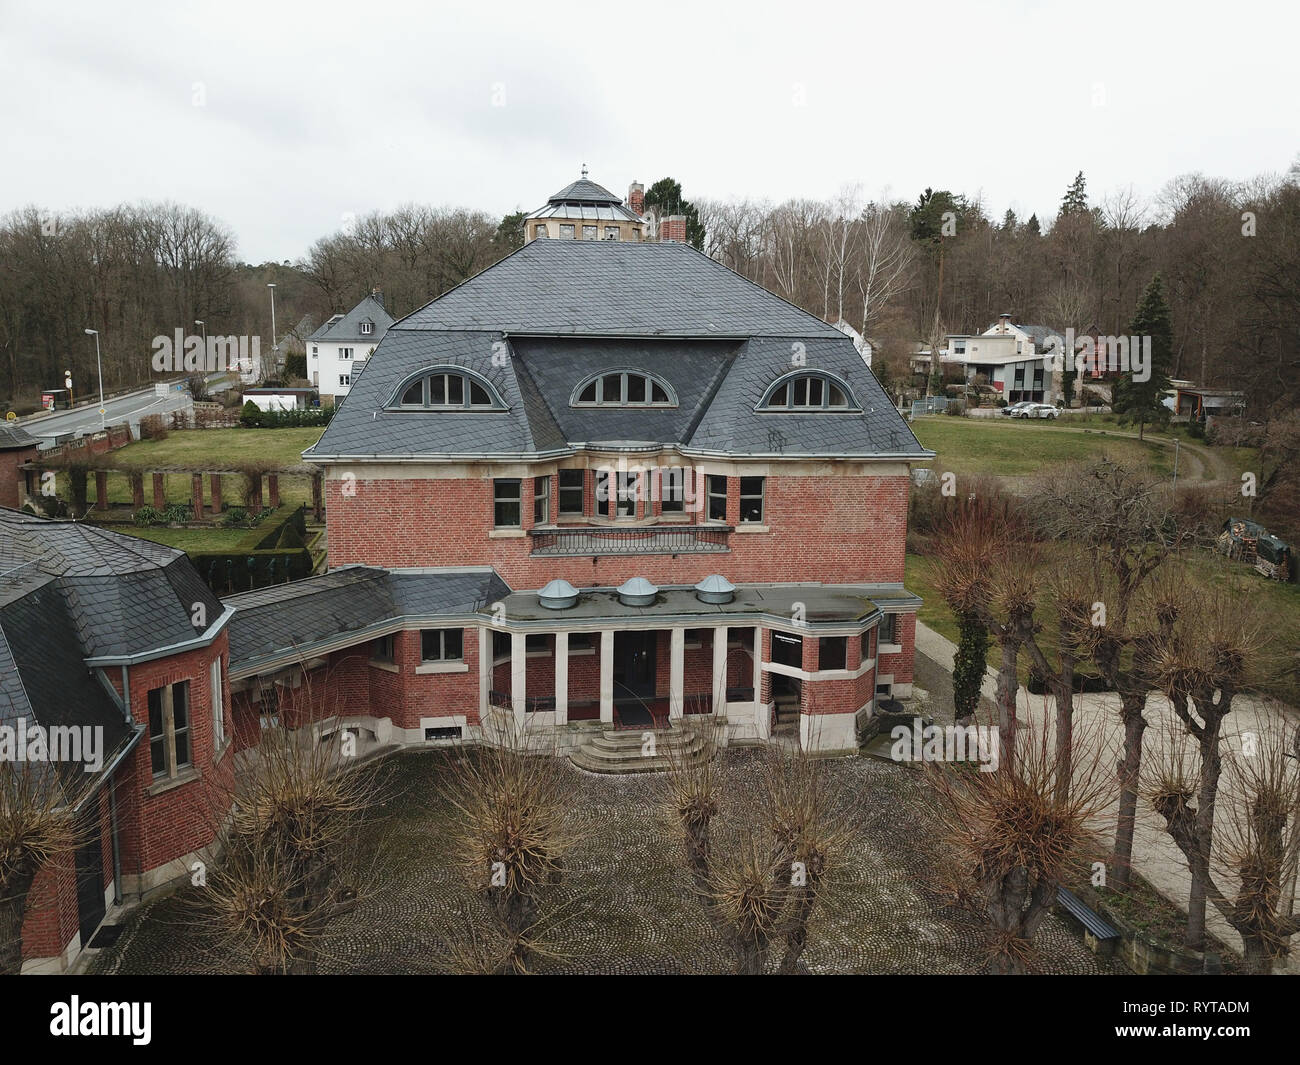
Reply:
x=624, y=388
x=449, y=388
x=808, y=392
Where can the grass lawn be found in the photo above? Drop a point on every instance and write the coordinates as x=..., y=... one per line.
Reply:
x=189, y=540
x=216, y=447
x=1006, y=448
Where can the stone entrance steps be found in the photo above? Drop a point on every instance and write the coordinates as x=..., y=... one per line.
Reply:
x=623, y=750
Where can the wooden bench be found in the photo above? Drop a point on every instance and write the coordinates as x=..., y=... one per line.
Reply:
x=1099, y=934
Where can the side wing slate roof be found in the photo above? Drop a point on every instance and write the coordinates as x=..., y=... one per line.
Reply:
x=294, y=617
x=13, y=437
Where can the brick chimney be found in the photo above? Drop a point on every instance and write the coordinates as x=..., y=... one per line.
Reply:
x=636, y=197
x=673, y=227
x=1004, y=320
x=377, y=296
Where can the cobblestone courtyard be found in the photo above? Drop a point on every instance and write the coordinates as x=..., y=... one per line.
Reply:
x=626, y=903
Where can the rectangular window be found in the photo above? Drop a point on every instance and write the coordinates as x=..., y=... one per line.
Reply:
x=581, y=641
x=541, y=500
x=573, y=491
x=500, y=644
x=672, y=489
x=751, y=500
x=382, y=649
x=628, y=492
x=832, y=652
x=866, y=646
x=566, y=231
x=537, y=642
x=889, y=629
x=611, y=232
x=345, y=354
x=539, y=231
x=344, y=380
x=218, y=707
x=716, y=489
x=588, y=232
x=787, y=650
x=314, y=351
x=169, y=729
x=442, y=645
x=505, y=499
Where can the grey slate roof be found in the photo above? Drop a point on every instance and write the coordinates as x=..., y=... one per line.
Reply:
x=560, y=311
x=584, y=191
x=348, y=326
x=1038, y=334
x=125, y=596
x=14, y=437
x=614, y=288
x=285, y=622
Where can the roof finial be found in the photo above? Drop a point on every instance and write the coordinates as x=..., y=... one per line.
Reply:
x=584, y=171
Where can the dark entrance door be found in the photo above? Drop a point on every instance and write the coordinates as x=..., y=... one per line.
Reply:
x=634, y=665
x=90, y=873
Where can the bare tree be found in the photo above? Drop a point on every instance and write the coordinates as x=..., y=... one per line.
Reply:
x=885, y=254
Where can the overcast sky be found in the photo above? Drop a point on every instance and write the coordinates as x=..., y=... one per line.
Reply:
x=281, y=119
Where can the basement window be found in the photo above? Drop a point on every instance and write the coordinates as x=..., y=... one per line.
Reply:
x=447, y=732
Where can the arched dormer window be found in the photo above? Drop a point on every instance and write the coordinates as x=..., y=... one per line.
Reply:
x=623, y=388
x=447, y=388
x=807, y=390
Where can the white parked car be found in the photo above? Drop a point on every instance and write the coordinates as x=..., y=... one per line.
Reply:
x=1015, y=408
x=1037, y=410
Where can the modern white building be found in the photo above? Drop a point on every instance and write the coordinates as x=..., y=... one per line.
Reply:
x=338, y=349
x=1014, y=360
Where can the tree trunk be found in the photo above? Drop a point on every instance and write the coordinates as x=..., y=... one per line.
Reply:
x=1008, y=686
x=1130, y=765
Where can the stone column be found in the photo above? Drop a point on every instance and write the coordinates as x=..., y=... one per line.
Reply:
x=196, y=482
x=607, y=676
x=255, y=503
x=159, y=491
x=318, y=495
x=484, y=670
x=214, y=490
x=518, y=676
x=762, y=715
x=101, y=489
x=137, y=490
x=273, y=488
x=676, y=672
x=720, y=670
x=561, y=678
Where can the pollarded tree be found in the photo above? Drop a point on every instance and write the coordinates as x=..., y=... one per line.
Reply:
x=1011, y=834
x=1201, y=664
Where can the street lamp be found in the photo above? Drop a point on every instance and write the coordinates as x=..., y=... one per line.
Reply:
x=275, y=343
x=100, y=366
x=203, y=361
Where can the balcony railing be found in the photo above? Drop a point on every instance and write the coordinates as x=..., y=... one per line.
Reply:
x=638, y=540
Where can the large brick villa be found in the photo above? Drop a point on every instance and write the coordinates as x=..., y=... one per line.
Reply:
x=603, y=484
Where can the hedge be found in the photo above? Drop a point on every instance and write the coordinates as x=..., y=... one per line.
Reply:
x=253, y=417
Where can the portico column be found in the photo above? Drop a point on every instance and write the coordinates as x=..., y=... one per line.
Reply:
x=607, y=676
x=720, y=670
x=676, y=670
x=518, y=675
x=484, y=670
x=561, y=678
x=762, y=716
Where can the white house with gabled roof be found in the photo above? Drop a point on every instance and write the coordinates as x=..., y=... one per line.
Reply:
x=338, y=349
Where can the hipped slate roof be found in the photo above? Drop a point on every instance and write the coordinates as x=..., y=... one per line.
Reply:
x=14, y=437
x=555, y=312
x=71, y=593
x=348, y=326
x=287, y=622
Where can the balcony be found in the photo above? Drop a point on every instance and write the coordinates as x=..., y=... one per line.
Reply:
x=635, y=540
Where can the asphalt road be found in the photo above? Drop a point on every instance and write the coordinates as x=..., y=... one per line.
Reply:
x=85, y=419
